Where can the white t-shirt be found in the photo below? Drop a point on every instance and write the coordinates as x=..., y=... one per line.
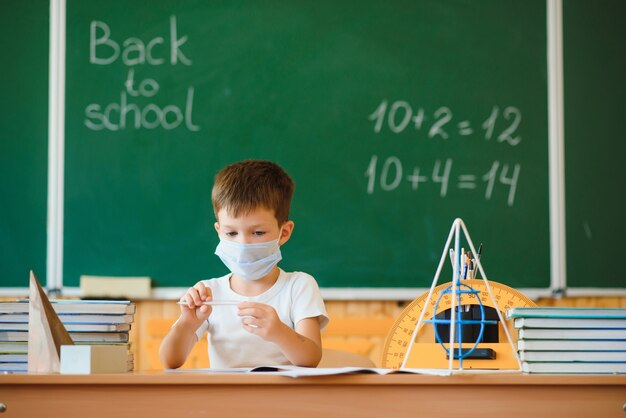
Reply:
x=295, y=296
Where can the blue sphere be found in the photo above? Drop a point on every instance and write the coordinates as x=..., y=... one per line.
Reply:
x=462, y=289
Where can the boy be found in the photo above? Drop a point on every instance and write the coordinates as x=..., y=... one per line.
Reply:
x=279, y=315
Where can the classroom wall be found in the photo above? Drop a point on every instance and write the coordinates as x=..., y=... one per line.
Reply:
x=376, y=316
x=371, y=317
x=357, y=326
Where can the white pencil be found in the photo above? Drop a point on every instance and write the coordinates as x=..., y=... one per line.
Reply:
x=215, y=302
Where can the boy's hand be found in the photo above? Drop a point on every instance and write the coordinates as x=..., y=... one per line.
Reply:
x=194, y=313
x=262, y=320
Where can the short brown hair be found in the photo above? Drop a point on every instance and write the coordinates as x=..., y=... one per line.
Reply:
x=247, y=185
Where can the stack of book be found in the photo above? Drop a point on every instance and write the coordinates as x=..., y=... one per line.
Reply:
x=571, y=340
x=87, y=321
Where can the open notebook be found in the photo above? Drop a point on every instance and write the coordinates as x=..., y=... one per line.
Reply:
x=295, y=371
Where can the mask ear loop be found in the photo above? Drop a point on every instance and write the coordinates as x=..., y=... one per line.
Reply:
x=280, y=236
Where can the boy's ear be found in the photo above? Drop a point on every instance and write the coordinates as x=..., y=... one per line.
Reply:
x=286, y=232
x=217, y=227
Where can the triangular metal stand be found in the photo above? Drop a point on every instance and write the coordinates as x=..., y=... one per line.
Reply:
x=46, y=333
x=455, y=232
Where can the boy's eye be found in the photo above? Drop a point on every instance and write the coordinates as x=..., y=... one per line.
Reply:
x=259, y=233
x=231, y=234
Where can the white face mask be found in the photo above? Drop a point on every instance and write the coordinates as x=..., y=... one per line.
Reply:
x=249, y=261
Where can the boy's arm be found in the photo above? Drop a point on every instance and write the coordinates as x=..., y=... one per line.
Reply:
x=306, y=348
x=302, y=347
x=178, y=343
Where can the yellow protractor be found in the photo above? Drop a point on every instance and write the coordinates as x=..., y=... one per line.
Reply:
x=428, y=353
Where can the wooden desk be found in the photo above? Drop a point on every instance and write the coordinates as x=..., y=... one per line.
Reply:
x=234, y=395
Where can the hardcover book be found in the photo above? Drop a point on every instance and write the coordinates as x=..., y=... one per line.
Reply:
x=547, y=312
x=595, y=368
x=573, y=356
x=571, y=334
x=75, y=306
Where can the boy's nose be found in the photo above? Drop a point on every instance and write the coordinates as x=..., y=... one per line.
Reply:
x=245, y=239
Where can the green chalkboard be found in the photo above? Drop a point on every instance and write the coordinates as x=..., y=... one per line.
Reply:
x=595, y=93
x=393, y=118
x=23, y=140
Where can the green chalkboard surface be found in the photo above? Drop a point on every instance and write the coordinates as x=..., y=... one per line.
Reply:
x=23, y=140
x=393, y=118
x=595, y=93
